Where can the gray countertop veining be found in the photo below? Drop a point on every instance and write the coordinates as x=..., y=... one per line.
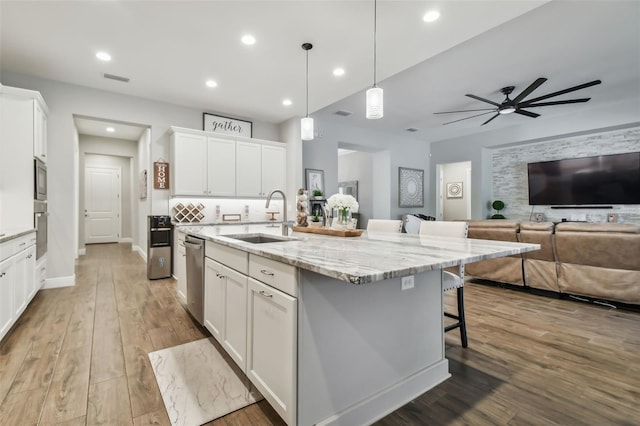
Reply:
x=10, y=234
x=370, y=257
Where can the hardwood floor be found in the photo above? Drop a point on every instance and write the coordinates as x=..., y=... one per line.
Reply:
x=78, y=356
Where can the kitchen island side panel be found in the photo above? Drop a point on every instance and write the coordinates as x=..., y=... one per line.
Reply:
x=366, y=350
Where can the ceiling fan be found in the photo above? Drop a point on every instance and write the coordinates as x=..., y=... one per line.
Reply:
x=518, y=103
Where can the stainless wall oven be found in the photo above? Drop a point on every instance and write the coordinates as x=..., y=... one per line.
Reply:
x=40, y=180
x=40, y=214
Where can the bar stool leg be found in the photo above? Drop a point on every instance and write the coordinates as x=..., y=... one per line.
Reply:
x=463, y=322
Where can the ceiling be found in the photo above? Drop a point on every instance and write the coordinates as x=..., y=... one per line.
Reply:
x=169, y=49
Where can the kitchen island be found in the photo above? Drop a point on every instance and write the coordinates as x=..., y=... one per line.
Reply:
x=359, y=341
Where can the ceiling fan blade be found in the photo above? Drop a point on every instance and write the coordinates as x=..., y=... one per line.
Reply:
x=483, y=99
x=466, y=118
x=527, y=113
x=466, y=110
x=562, y=92
x=490, y=119
x=526, y=92
x=568, y=101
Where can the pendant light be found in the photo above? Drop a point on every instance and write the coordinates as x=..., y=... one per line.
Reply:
x=375, y=107
x=306, y=124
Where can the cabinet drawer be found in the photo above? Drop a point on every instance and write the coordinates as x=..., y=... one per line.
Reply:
x=16, y=245
x=233, y=258
x=276, y=274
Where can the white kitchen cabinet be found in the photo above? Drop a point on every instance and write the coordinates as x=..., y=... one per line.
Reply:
x=272, y=345
x=210, y=165
x=17, y=279
x=259, y=169
x=273, y=168
x=41, y=275
x=221, y=168
x=214, y=298
x=235, y=318
x=7, y=314
x=189, y=158
x=180, y=264
x=248, y=170
x=39, y=131
x=22, y=135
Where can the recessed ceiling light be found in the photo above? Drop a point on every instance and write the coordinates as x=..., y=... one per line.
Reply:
x=248, y=39
x=110, y=129
x=286, y=102
x=338, y=72
x=431, y=16
x=103, y=56
x=211, y=83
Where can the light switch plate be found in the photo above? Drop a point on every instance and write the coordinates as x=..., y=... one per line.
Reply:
x=407, y=282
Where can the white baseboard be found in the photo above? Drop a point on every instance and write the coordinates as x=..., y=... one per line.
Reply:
x=141, y=252
x=58, y=282
x=126, y=240
x=82, y=251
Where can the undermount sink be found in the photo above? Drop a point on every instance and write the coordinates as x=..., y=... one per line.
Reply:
x=260, y=238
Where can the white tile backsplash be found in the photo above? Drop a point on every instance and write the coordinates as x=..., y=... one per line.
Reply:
x=250, y=210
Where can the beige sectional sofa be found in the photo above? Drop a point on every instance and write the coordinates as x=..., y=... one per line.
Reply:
x=504, y=269
x=598, y=260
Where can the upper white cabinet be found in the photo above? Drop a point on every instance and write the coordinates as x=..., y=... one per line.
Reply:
x=189, y=159
x=22, y=135
x=210, y=165
x=259, y=169
x=39, y=131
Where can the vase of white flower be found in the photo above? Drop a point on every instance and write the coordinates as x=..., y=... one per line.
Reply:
x=345, y=205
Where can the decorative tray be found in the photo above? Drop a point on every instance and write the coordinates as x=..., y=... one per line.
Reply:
x=329, y=231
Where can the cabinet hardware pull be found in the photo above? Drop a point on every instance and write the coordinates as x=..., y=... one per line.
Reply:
x=23, y=244
x=3, y=274
x=30, y=256
x=265, y=294
x=266, y=272
x=219, y=275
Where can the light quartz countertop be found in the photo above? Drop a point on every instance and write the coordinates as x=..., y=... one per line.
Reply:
x=10, y=234
x=368, y=258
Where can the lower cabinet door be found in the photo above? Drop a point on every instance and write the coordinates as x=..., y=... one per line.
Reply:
x=31, y=280
x=6, y=296
x=20, y=281
x=272, y=347
x=214, y=307
x=235, y=321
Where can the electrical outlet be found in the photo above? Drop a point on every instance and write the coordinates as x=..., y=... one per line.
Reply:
x=407, y=282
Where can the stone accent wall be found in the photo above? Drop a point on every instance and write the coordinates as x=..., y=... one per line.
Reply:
x=510, y=174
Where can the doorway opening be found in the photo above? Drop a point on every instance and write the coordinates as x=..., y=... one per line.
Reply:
x=453, y=191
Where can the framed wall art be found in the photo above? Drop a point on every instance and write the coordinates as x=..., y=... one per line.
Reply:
x=349, y=187
x=454, y=190
x=410, y=187
x=226, y=125
x=315, y=180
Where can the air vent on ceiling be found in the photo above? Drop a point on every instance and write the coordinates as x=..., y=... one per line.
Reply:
x=343, y=113
x=411, y=129
x=116, y=77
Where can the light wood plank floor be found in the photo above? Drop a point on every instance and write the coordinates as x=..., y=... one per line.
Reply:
x=78, y=355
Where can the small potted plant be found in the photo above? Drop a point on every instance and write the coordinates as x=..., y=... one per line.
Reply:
x=317, y=194
x=497, y=206
x=315, y=222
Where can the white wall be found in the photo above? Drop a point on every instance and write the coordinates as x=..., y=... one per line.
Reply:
x=142, y=208
x=65, y=100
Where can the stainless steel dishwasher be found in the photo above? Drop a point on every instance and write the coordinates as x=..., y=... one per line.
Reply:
x=195, y=277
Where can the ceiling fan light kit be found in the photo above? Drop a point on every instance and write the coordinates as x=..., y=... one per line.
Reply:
x=518, y=104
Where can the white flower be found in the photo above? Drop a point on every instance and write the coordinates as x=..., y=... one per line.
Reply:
x=343, y=201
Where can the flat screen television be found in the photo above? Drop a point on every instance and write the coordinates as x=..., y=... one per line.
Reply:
x=605, y=179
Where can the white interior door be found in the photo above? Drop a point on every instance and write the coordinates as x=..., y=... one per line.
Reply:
x=102, y=204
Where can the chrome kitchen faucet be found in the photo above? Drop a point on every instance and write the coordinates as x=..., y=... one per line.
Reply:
x=285, y=226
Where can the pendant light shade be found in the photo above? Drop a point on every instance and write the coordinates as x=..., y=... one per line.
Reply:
x=306, y=124
x=375, y=107
x=306, y=129
x=375, y=104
